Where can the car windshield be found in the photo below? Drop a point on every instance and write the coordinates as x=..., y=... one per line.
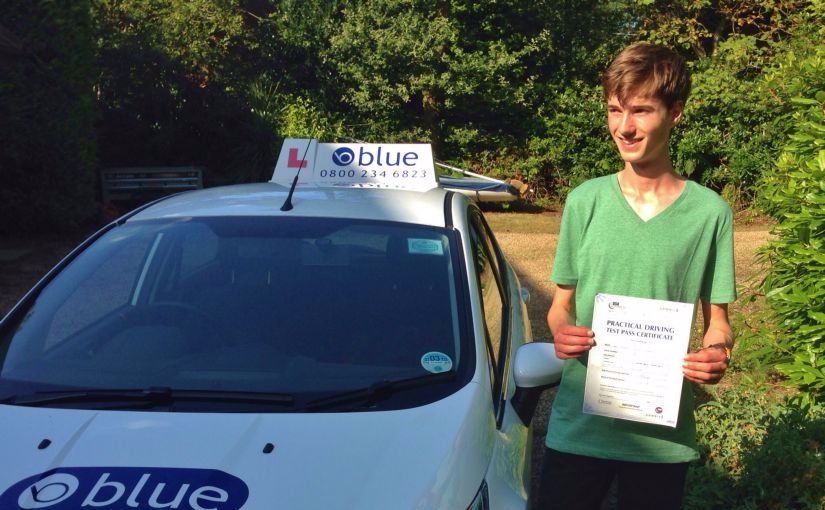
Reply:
x=299, y=306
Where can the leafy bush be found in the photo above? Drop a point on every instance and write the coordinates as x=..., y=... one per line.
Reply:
x=574, y=145
x=794, y=285
x=47, y=113
x=506, y=88
x=794, y=193
x=729, y=134
x=758, y=453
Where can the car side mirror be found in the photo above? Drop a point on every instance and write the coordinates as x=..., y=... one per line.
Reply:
x=535, y=369
x=536, y=365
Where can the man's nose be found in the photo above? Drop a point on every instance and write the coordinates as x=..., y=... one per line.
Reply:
x=627, y=125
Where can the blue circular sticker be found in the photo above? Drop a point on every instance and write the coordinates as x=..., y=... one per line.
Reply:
x=436, y=362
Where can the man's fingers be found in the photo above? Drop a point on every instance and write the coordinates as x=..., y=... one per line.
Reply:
x=572, y=341
x=706, y=366
x=704, y=373
x=699, y=375
x=713, y=367
x=574, y=335
x=568, y=351
x=570, y=330
x=701, y=381
x=571, y=346
x=706, y=356
x=704, y=379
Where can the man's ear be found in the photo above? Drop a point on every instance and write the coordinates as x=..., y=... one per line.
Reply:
x=676, y=113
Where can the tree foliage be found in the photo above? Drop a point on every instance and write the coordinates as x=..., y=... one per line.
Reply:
x=170, y=76
x=508, y=88
x=795, y=194
x=48, y=157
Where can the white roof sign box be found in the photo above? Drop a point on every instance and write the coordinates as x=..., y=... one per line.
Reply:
x=353, y=165
x=296, y=153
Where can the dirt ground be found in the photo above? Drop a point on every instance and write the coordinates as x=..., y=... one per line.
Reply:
x=527, y=239
x=529, y=242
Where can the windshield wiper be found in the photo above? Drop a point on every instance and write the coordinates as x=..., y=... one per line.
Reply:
x=379, y=390
x=152, y=395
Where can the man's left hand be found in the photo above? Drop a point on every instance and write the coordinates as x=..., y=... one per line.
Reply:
x=705, y=366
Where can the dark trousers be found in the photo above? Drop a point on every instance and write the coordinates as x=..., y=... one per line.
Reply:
x=575, y=482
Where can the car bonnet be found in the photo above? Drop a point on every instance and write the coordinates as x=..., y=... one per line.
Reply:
x=434, y=456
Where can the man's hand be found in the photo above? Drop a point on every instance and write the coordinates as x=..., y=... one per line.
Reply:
x=706, y=366
x=572, y=341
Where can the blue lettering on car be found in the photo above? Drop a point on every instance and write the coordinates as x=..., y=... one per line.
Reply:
x=383, y=156
x=139, y=488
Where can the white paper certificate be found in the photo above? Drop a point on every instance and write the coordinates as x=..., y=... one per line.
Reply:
x=634, y=371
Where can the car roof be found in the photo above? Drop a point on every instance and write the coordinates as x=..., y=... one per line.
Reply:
x=266, y=199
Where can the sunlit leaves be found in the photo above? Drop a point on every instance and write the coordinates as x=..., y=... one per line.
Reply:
x=795, y=284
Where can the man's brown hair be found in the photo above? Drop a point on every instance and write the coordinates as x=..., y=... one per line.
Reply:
x=647, y=70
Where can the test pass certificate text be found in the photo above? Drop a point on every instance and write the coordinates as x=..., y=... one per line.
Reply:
x=634, y=370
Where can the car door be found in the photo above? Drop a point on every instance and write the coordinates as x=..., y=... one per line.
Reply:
x=504, y=327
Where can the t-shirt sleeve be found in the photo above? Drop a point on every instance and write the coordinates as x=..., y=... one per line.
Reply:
x=719, y=282
x=565, y=267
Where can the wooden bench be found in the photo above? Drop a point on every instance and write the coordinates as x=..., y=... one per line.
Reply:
x=123, y=189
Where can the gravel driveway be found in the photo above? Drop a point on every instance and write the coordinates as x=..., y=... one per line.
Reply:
x=530, y=251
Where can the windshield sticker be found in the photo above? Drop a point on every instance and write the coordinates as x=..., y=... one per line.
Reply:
x=118, y=487
x=436, y=362
x=425, y=247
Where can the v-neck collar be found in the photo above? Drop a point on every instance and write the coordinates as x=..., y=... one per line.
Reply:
x=664, y=212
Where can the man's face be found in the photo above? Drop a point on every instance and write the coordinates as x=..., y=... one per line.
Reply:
x=641, y=127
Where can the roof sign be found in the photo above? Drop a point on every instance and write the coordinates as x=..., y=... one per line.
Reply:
x=356, y=165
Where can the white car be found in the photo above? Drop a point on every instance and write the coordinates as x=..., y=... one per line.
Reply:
x=358, y=348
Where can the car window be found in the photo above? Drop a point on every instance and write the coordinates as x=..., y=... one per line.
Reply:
x=199, y=248
x=100, y=290
x=298, y=305
x=489, y=288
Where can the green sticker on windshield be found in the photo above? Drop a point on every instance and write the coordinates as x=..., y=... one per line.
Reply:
x=425, y=247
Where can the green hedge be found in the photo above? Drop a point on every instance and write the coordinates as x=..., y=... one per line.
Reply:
x=758, y=453
x=47, y=109
x=795, y=194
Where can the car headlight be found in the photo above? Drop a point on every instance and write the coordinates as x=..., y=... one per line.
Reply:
x=482, y=499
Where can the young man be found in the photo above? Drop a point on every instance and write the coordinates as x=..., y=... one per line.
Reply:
x=643, y=232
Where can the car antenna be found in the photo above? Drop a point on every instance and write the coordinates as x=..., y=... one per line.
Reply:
x=288, y=202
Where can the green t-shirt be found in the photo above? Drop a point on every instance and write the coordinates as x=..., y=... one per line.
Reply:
x=684, y=253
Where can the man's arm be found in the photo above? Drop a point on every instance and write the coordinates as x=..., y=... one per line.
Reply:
x=570, y=341
x=708, y=365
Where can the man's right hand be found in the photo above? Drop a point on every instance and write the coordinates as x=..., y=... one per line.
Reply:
x=569, y=340
x=572, y=341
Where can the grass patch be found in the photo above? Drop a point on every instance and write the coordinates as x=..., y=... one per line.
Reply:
x=524, y=223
